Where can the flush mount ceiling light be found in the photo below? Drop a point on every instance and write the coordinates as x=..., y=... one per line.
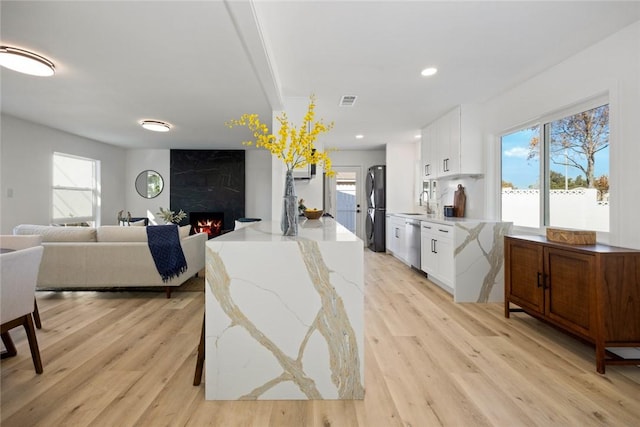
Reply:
x=429, y=71
x=25, y=62
x=359, y=136
x=155, y=125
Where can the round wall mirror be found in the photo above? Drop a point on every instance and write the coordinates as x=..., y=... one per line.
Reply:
x=149, y=184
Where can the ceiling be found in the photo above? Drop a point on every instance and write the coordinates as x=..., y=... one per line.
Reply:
x=198, y=64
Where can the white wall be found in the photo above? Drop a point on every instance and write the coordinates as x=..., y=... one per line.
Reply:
x=363, y=158
x=401, y=170
x=26, y=151
x=611, y=66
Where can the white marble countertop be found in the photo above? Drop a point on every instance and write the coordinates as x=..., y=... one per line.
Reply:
x=325, y=229
x=440, y=219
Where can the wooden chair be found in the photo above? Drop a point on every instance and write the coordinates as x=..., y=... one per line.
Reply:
x=19, y=275
x=200, y=361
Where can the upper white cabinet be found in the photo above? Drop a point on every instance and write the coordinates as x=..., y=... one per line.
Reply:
x=452, y=145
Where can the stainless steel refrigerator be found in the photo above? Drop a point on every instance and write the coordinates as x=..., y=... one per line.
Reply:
x=376, y=208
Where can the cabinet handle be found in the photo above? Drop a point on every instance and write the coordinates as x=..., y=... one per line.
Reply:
x=540, y=279
x=426, y=170
x=435, y=250
x=444, y=231
x=397, y=230
x=426, y=226
x=445, y=165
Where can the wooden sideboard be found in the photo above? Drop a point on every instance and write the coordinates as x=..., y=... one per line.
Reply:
x=590, y=291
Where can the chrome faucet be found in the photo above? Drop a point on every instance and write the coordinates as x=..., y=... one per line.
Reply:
x=420, y=197
x=428, y=205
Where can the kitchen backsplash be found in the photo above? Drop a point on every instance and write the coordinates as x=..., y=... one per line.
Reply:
x=474, y=191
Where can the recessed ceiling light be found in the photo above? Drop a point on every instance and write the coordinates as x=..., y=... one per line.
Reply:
x=25, y=62
x=429, y=71
x=418, y=136
x=359, y=136
x=155, y=125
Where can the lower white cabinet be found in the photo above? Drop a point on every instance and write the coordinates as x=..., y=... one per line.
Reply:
x=396, y=237
x=436, y=253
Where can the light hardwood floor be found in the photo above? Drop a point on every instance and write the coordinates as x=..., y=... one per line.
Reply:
x=124, y=359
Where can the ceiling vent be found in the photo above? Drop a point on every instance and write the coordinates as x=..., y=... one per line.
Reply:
x=347, y=100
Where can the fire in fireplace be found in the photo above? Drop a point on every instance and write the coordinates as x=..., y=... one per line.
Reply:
x=206, y=222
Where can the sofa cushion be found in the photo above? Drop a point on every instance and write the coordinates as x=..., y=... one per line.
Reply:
x=57, y=234
x=116, y=233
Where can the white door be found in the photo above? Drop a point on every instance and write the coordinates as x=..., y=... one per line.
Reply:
x=344, y=192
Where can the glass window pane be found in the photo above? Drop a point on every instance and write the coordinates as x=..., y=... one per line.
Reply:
x=579, y=170
x=72, y=203
x=521, y=177
x=72, y=172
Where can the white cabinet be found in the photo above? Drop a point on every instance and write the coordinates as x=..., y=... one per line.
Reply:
x=452, y=145
x=428, y=152
x=437, y=253
x=396, y=237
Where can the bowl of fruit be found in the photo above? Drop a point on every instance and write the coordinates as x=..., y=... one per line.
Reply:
x=313, y=213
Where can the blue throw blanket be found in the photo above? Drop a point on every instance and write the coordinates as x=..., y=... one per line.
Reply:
x=164, y=244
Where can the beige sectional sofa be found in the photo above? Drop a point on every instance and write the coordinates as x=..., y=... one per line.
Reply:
x=107, y=256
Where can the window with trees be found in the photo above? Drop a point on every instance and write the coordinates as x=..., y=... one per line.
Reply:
x=556, y=172
x=75, y=190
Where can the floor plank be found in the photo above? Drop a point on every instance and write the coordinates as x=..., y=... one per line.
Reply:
x=128, y=358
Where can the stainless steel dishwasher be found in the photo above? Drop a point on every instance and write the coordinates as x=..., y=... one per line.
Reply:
x=412, y=232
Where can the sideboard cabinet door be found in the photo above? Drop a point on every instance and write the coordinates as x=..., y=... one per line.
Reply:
x=524, y=280
x=569, y=289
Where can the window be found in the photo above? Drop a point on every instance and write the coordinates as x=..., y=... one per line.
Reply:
x=556, y=173
x=75, y=189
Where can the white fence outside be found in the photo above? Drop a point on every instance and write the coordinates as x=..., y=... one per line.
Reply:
x=578, y=208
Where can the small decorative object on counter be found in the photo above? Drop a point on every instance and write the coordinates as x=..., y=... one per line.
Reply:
x=313, y=213
x=301, y=207
x=289, y=219
x=459, y=200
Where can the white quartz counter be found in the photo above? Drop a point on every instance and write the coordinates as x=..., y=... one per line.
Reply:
x=285, y=315
x=439, y=219
x=324, y=229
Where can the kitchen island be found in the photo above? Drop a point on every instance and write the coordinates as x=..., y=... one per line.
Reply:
x=285, y=315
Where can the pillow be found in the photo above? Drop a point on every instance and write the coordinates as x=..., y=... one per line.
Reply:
x=184, y=231
x=57, y=234
x=138, y=223
x=116, y=233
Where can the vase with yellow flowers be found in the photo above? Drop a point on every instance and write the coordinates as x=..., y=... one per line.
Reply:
x=295, y=147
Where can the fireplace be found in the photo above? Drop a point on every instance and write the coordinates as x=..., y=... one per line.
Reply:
x=206, y=222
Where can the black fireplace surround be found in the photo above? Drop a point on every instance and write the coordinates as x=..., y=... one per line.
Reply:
x=210, y=182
